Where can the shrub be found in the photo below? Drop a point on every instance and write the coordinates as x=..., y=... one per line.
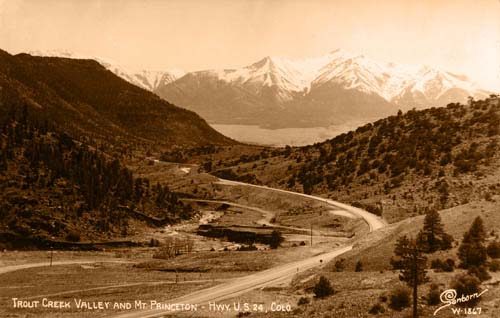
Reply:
x=323, y=288
x=465, y=285
x=303, y=301
x=446, y=266
x=480, y=272
x=396, y=263
x=433, y=298
x=399, y=298
x=436, y=264
x=493, y=249
x=382, y=298
x=73, y=236
x=359, y=267
x=340, y=265
x=494, y=266
x=154, y=242
x=376, y=309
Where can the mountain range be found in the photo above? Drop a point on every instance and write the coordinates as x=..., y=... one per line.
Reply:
x=321, y=91
x=278, y=92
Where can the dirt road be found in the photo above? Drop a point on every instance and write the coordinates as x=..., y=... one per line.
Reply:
x=7, y=269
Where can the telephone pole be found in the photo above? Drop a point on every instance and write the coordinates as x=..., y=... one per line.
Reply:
x=51, y=254
x=311, y=235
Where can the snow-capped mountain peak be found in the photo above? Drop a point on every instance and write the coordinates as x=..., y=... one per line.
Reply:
x=288, y=78
x=350, y=71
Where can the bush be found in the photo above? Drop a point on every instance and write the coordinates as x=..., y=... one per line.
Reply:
x=359, y=267
x=323, y=288
x=396, y=263
x=73, y=236
x=154, y=242
x=446, y=266
x=480, y=272
x=376, y=309
x=493, y=249
x=399, y=298
x=436, y=264
x=465, y=285
x=494, y=266
x=434, y=296
x=340, y=265
x=303, y=301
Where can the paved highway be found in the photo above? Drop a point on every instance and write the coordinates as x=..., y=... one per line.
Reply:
x=261, y=279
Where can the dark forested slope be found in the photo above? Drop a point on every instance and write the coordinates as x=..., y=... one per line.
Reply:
x=84, y=98
x=54, y=189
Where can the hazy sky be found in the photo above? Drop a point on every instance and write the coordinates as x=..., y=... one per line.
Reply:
x=457, y=35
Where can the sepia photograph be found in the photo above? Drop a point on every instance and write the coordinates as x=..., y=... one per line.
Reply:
x=249, y=158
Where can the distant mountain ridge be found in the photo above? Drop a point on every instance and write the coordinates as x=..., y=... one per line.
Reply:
x=277, y=92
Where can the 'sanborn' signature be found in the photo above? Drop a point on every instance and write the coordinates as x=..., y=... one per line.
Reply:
x=449, y=297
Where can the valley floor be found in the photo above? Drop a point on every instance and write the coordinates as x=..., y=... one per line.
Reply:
x=270, y=282
x=121, y=275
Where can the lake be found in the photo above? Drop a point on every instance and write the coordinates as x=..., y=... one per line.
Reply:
x=285, y=136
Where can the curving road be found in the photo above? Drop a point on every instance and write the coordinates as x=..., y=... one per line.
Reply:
x=373, y=221
x=264, y=278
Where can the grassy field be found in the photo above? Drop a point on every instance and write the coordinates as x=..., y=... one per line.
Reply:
x=290, y=210
x=93, y=283
x=357, y=292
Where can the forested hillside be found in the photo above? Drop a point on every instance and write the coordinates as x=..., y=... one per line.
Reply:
x=53, y=189
x=398, y=166
x=85, y=99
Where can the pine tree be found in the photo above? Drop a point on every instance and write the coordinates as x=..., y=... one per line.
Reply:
x=323, y=288
x=359, y=267
x=3, y=160
x=432, y=237
x=275, y=239
x=413, y=266
x=472, y=251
